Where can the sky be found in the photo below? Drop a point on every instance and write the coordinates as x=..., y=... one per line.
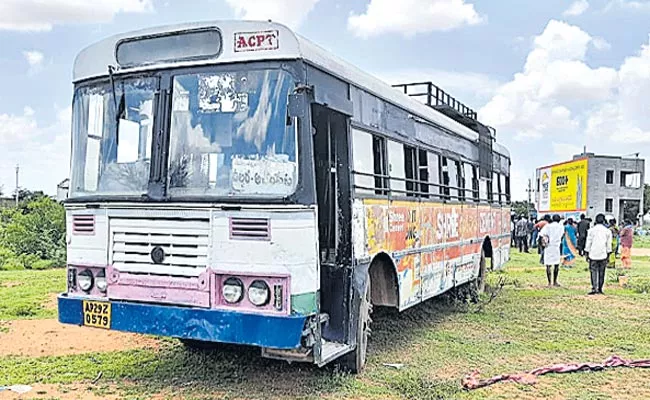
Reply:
x=551, y=76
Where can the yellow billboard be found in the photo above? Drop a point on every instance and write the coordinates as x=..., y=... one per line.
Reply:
x=563, y=187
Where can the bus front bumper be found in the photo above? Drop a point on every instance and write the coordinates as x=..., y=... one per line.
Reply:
x=278, y=332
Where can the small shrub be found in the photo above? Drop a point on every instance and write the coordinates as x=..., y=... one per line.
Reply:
x=43, y=264
x=23, y=310
x=12, y=264
x=639, y=285
x=5, y=255
x=28, y=260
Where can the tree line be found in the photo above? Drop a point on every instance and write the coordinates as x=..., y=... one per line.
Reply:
x=32, y=233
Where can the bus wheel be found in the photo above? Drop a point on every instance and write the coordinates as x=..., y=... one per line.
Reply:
x=355, y=361
x=194, y=344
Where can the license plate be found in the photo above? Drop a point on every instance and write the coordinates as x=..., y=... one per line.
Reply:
x=97, y=314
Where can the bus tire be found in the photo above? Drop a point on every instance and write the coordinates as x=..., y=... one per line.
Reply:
x=193, y=344
x=355, y=361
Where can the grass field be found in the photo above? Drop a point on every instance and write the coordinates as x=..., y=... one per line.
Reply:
x=526, y=326
x=642, y=242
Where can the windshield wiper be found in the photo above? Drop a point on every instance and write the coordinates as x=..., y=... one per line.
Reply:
x=119, y=108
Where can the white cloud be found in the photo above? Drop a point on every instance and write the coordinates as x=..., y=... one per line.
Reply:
x=410, y=17
x=40, y=15
x=538, y=101
x=576, y=8
x=601, y=44
x=289, y=12
x=14, y=127
x=625, y=118
x=469, y=88
x=33, y=57
x=559, y=103
x=25, y=142
x=633, y=5
x=566, y=151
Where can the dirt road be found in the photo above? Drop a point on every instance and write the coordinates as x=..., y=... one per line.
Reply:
x=38, y=338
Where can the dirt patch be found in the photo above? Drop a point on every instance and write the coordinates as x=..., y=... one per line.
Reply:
x=10, y=284
x=639, y=252
x=62, y=392
x=48, y=337
x=51, y=302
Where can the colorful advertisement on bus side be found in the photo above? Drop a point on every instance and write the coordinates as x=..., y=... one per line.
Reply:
x=563, y=187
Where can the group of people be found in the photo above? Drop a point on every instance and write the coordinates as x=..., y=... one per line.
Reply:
x=561, y=242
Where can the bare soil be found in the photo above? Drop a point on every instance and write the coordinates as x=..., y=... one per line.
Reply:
x=39, y=338
x=66, y=392
x=640, y=252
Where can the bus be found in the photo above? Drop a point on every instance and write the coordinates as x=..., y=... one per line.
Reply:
x=232, y=182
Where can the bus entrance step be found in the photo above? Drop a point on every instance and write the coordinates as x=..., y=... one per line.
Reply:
x=331, y=351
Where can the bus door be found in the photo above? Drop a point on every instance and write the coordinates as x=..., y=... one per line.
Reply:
x=332, y=172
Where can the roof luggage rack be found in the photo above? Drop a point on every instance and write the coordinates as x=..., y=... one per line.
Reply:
x=435, y=97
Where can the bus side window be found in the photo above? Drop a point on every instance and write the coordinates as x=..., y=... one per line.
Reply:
x=496, y=187
x=468, y=179
x=362, y=153
x=460, y=180
x=396, y=168
x=489, y=190
x=452, y=181
x=475, y=184
x=411, y=170
x=507, y=189
x=444, y=182
x=381, y=166
x=434, y=174
x=503, y=188
x=423, y=170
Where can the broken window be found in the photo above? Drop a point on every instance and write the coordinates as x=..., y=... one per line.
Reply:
x=631, y=179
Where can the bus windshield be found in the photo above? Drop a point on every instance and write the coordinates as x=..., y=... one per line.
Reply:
x=231, y=135
x=111, y=138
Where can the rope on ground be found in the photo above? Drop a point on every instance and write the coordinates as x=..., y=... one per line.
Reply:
x=473, y=381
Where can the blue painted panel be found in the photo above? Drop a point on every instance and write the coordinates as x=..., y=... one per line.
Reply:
x=280, y=332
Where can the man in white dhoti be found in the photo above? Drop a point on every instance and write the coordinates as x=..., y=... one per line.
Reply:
x=552, y=237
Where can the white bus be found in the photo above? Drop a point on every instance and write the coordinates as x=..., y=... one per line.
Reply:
x=233, y=182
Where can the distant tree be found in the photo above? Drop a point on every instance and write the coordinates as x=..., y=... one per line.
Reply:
x=36, y=227
x=522, y=207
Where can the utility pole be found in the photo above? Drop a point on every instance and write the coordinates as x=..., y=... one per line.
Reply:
x=530, y=194
x=17, y=170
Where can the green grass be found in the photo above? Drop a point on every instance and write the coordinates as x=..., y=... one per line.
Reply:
x=642, y=242
x=25, y=294
x=526, y=326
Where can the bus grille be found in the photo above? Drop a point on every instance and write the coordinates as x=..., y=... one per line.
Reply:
x=185, y=244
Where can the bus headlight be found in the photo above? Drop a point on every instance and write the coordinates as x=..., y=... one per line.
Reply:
x=100, y=281
x=232, y=290
x=85, y=280
x=259, y=293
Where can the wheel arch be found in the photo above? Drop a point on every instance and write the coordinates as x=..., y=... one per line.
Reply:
x=382, y=272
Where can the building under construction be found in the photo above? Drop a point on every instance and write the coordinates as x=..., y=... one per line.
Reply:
x=592, y=184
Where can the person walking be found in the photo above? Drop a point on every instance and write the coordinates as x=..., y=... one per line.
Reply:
x=552, y=238
x=569, y=244
x=583, y=228
x=627, y=240
x=598, y=249
x=540, y=245
x=521, y=233
x=531, y=233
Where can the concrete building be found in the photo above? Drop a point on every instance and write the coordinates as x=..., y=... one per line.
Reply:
x=62, y=189
x=614, y=187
